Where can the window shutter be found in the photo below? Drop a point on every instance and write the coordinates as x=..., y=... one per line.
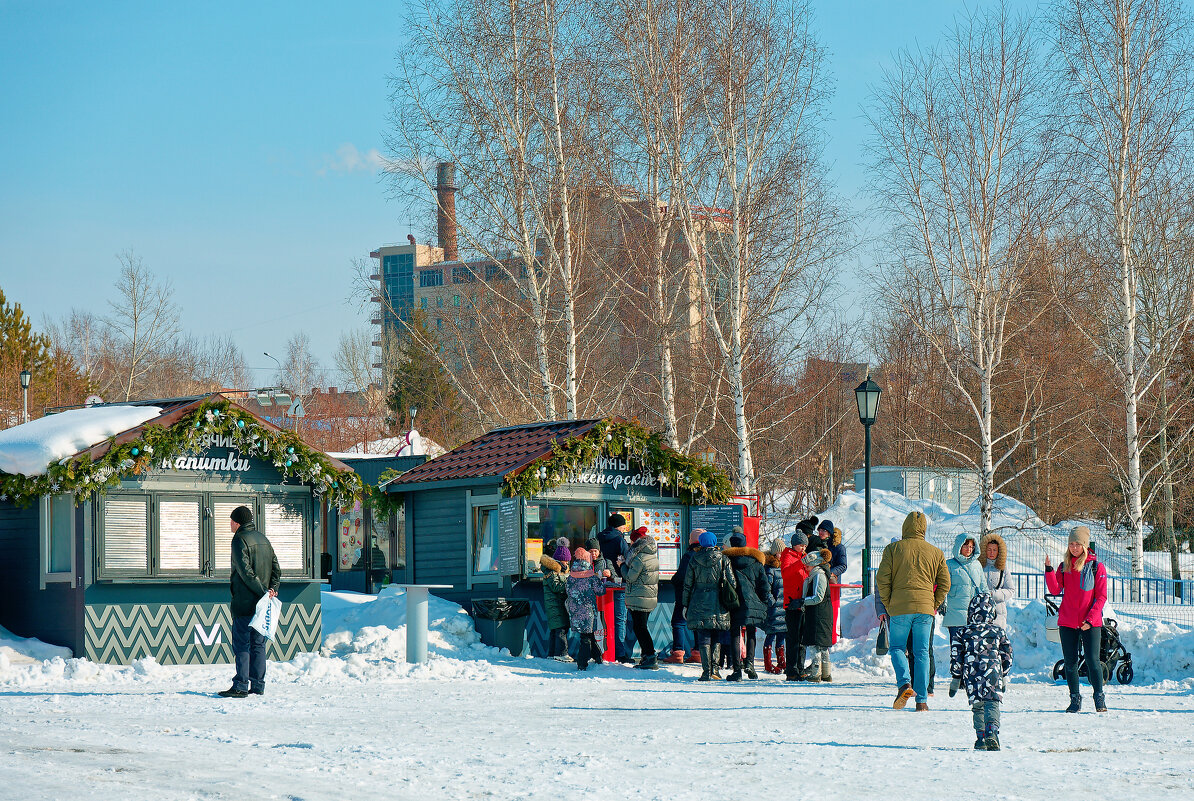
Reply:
x=178, y=535
x=285, y=528
x=126, y=527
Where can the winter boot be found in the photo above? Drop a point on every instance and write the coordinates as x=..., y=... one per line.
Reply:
x=812, y=673
x=991, y=742
x=715, y=660
x=1100, y=703
x=768, y=662
x=677, y=658
x=825, y=674
x=980, y=740
x=954, y=686
x=781, y=660
x=706, y=652
x=736, y=663
x=648, y=663
x=922, y=706
x=695, y=657
x=749, y=667
x=1075, y=704
x=903, y=696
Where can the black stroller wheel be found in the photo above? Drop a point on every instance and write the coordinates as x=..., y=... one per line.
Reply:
x=1059, y=670
x=1124, y=673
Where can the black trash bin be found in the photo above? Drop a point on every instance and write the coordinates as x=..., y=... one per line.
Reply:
x=502, y=622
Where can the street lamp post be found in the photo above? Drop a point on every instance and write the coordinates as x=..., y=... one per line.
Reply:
x=26, y=376
x=867, y=395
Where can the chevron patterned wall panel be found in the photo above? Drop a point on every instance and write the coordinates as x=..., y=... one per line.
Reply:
x=187, y=634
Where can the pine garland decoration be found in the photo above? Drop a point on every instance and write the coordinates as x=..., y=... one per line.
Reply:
x=190, y=435
x=693, y=479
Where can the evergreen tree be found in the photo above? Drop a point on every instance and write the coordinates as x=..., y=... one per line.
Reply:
x=21, y=349
x=420, y=381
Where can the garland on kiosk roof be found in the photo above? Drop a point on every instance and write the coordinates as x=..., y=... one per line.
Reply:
x=692, y=478
x=194, y=432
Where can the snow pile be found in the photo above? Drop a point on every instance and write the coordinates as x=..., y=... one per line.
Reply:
x=364, y=637
x=19, y=650
x=31, y=448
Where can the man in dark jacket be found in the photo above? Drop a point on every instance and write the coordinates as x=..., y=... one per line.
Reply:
x=255, y=572
x=616, y=549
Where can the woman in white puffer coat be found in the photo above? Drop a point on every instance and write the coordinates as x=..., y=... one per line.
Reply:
x=992, y=555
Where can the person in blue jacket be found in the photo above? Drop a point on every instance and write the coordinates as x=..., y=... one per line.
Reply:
x=966, y=580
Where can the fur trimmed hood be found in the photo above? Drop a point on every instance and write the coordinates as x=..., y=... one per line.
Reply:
x=550, y=565
x=1001, y=560
x=837, y=538
x=772, y=561
x=754, y=553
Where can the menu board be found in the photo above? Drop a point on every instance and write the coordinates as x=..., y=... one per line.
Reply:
x=669, y=559
x=719, y=519
x=510, y=536
x=662, y=522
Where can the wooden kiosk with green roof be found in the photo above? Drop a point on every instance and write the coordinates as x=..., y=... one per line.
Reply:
x=118, y=546
x=479, y=517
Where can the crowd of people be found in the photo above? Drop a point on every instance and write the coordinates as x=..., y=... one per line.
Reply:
x=724, y=596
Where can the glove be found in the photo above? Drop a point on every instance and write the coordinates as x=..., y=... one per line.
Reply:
x=796, y=603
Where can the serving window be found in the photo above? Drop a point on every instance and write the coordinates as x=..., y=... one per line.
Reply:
x=547, y=522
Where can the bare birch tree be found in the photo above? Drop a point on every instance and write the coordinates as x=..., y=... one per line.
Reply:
x=962, y=168
x=1124, y=76
x=762, y=225
x=142, y=325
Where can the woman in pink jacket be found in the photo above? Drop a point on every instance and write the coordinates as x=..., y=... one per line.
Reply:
x=1081, y=580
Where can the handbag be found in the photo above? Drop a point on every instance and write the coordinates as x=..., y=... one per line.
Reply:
x=727, y=593
x=882, y=640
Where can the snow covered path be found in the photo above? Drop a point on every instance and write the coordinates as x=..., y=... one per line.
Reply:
x=536, y=729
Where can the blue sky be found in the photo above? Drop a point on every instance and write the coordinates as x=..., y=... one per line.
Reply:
x=232, y=144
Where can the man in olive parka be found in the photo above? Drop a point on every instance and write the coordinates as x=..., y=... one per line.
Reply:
x=255, y=573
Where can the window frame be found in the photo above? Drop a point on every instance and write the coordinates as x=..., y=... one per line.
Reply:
x=45, y=529
x=487, y=578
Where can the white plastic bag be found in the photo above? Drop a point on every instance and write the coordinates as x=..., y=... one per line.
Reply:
x=265, y=619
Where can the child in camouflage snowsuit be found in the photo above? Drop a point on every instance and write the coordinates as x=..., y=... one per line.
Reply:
x=980, y=657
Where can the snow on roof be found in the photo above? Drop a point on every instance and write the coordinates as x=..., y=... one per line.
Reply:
x=30, y=449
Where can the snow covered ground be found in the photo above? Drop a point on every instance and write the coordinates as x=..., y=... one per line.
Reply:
x=356, y=721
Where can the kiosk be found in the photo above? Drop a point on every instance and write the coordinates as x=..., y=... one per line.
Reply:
x=119, y=546
x=479, y=517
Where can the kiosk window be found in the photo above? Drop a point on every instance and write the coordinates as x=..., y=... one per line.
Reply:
x=61, y=531
x=178, y=535
x=284, y=527
x=485, y=540
x=575, y=521
x=126, y=534
x=221, y=515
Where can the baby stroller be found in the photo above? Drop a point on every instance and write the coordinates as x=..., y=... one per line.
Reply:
x=1113, y=658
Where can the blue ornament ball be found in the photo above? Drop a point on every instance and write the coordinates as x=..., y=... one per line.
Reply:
x=290, y=449
x=135, y=451
x=240, y=423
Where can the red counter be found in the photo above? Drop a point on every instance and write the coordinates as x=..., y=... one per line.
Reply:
x=605, y=607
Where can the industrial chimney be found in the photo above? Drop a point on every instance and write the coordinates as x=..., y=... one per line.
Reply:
x=445, y=200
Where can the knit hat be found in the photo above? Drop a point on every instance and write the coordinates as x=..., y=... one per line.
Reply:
x=737, y=540
x=799, y=539
x=638, y=534
x=1080, y=535
x=562, y=554
x=694, y=536
x=562, y=542
x=580, y=555
x=242, y=515
x=825, y=525
x=708, y=539
x=775, y=546
x=737, y=530
x=813, y=558
x=615, y=521
x=593, y=544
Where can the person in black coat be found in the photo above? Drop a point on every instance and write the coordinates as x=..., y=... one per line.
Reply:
x=255, y=573
x=616, y=549
x=682, y=639
x=754, y=592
